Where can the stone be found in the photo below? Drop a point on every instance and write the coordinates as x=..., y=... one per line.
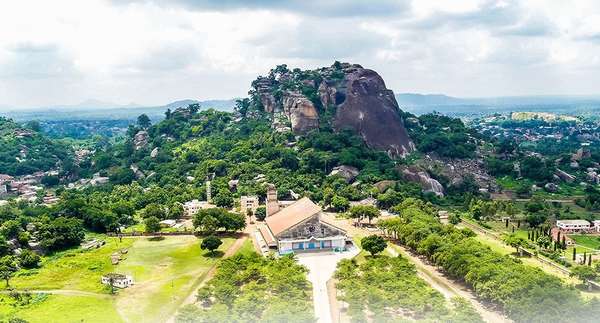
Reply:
x=154, y=152
x=383, y=186
x=348, y=173
x=140, y=140
x=551, y=187
x=562, y=175
x=372, y=111
x=428, y=184
x=301, y=113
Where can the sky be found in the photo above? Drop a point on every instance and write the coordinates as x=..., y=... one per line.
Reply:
x=153, y=52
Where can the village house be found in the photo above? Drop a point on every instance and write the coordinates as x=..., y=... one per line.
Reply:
x=300, y=227
x=192, y=207
x=573, y=225
x=248, y=203
x=117, y=280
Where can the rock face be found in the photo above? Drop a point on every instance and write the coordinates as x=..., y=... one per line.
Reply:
x=355, y=97
x=372, y=111
x=562, y=175
x=349, y=173
x=140, y=140
x=427, y=183
x=301, y=112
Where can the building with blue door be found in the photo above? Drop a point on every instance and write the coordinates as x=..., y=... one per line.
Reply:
x=300, y=227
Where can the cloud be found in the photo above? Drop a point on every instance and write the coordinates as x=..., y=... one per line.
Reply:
x=34, y=61
x=319, y=8
x=151, y=51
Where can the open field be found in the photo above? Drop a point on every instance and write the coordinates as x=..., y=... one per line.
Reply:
x=592, y=242
x=165, y=272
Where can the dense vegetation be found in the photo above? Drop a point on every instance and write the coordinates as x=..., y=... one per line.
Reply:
x=251, y=288
x=446, y=136
x=24, y=150
x=390, y=289
x=525, y=293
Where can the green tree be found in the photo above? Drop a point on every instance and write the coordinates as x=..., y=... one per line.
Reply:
x=360, y=212
x=8, y=267
x=176, y=211
x=152, y=224
x=340, y=203
x=584, y=273
x=211, y=243
x=223, y=199
x=261, y=213
x=516, y=242
x=143, y=121
x=155, y=210
x=374, y=244
x=29, y=259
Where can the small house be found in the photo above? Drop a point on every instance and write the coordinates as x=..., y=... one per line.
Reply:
x=117, y=280
x=573, y=225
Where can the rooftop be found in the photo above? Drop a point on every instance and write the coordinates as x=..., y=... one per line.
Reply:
x=292, y=215
x=579, y=222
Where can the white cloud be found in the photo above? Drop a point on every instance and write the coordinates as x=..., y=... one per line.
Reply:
x=152, y=52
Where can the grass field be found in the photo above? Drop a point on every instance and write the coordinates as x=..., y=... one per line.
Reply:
x=164, y=271
x=592, y=242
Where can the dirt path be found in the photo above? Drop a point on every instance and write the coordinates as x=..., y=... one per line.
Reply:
x=429, y=273
x=203, y=279
x=445, y=286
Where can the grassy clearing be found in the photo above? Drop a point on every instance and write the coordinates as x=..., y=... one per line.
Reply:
x=75, y=269
x=165, y=272
x=62, y=308
x=592, y=242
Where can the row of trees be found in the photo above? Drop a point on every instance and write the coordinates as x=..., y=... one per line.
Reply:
x=252, y=288
x=525, y=293
x=384, y=287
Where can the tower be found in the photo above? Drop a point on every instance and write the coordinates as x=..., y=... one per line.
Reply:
x=272, y=203
x=208, y=192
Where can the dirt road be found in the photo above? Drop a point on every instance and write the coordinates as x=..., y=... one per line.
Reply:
x=202, y=280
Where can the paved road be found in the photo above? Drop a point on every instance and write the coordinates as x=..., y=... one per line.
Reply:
x=321, y=267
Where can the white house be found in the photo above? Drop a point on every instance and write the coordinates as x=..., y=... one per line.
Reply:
x=596, y=225
x=118, y=280
x=573, y=225
x=248, y=203
x=167, y=223
x=192, y=207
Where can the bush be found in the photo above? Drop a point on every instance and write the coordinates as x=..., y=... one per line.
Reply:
x=29, y=259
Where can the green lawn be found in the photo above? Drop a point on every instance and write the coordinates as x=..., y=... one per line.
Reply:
x=592, y=242
x=165, y=273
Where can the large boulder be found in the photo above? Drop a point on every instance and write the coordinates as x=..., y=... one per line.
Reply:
x=562, y=175
x=348, y=173
x=140, y=140
x=371, y=110
x=428, y=184
x=358, y=96
x=301, y=112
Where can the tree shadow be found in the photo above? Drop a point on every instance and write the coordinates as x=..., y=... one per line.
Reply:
x=159, y=238
x=214, y=254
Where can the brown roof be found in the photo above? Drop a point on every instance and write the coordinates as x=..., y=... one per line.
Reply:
x=288, y=217
x=266, y=234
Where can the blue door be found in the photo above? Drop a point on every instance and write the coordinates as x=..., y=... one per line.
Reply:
x=311, y=245
x=301, y=245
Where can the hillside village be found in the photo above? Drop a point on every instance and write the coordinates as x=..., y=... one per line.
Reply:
x=288, y=201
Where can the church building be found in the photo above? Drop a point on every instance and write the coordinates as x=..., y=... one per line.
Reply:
x=300, y=227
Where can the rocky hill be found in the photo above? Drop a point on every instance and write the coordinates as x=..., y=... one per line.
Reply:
x=342, y=96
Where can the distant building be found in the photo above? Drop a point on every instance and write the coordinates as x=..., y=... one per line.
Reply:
x=192, y=207
x=117, y=280
x=167, y=223
x=573, y=225
x=300, y=227
x=248, y=203
x=596, y=225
